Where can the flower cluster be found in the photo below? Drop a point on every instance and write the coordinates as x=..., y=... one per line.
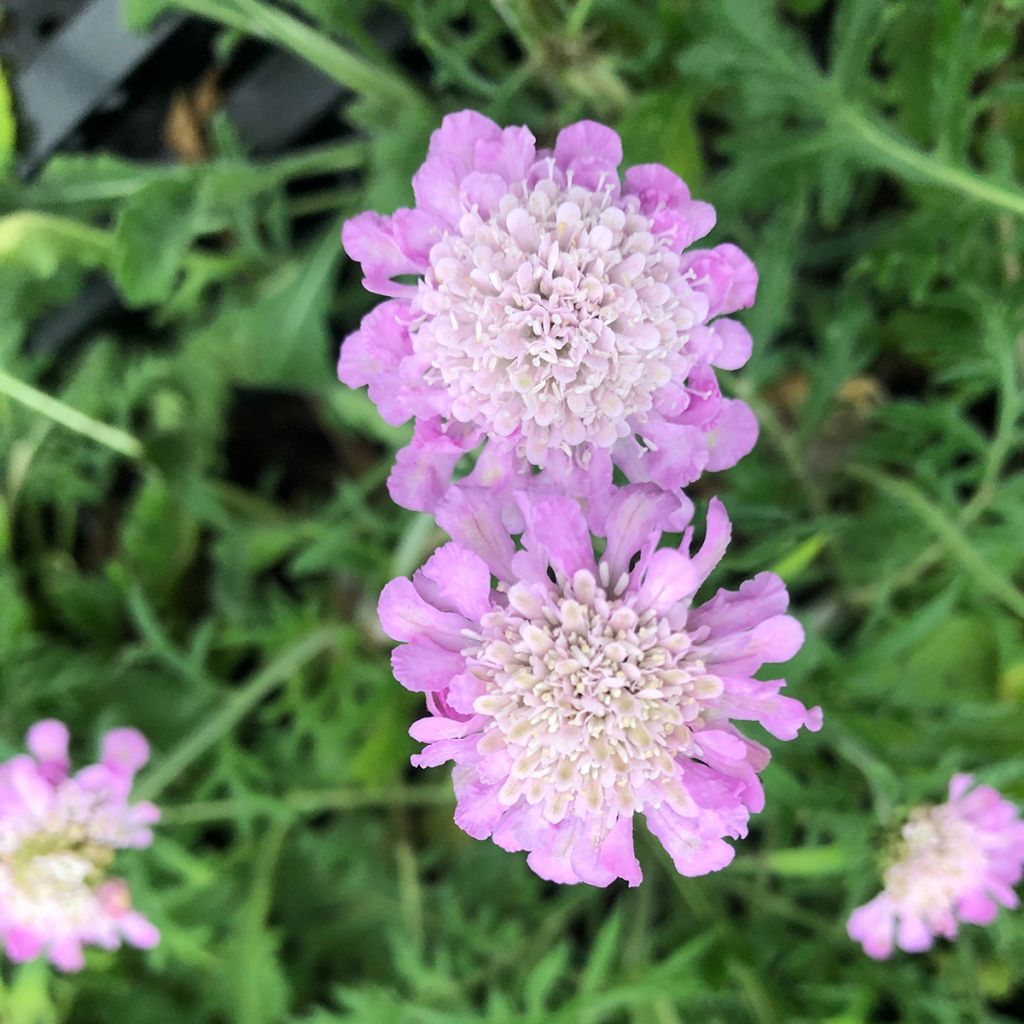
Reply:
x=549, y=322
x=955, y=862
x=58, y=837
x=577, y=693
x=558, y=318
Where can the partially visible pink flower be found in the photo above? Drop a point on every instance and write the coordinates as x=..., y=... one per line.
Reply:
x=581, y=691
x=58, y=837
x=955, y=862
x=557, y=316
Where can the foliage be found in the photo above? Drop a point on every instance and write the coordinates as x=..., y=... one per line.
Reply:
x=211, y=578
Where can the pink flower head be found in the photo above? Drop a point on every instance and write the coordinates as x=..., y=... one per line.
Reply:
x=578, y=692
x=58, y=837
x=556, y=316
x=955, y=862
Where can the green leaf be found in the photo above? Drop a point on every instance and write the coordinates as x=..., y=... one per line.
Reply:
x=541, y=982
x=152, y=235
x=159, y=538
x=278, y=337
x=660, y=128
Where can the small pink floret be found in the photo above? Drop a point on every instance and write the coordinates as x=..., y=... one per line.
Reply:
x=577, y=693
x=58, y=835
x=956, y=862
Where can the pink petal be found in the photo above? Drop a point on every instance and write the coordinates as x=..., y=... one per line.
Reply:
x=428, y=730
x=591, y=151
x=913, y=935
x=66, y=954
x=477, y=810
x=736, y=344
x=732, y=435
x=48, y=743
x=726, y=275
x=716, y=539
x=23, y=945
x=138, y=931
x=472, y=516
x=423, y=666
x=670, y=578
x=461, y=580
x=556, y=534
x=423, y=469
x=125, y=751
x=483, y=191
x=404, y=615
x=633, y=525
x=416, y=232
x=692, y=853
x=872, y=925
x=369, y=239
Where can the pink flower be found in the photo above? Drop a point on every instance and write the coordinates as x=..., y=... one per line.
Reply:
x=955, y=862
x=555, y=316
x=58, y=837
x=576, y=693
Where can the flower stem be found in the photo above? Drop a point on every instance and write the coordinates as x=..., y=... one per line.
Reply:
x=60, y=412
x=799, y=862
x=310, y=801
x=887, y=150
x=255, y=18
x=235, y=709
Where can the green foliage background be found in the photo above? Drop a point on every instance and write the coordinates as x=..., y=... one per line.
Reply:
x=207, y=568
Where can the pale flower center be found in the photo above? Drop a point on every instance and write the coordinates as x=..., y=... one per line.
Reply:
x=592, y=698
x=53, y=873
x=939, y=858
x=558, y=316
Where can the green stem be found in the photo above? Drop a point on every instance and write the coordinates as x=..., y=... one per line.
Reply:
x=60, y=412
x=903, y=159
x=311, y=801
x=948, y=532
x=254, y=18
x=578, y=17
x=307, y=163
x=235, y=709
x=799, y=862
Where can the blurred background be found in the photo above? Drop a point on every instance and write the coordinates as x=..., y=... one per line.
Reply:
x=194, y=526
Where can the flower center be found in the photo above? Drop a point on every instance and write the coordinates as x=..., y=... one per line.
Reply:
x=53, y=872
x=555, y=319
x=938, y=858
x=592, y=697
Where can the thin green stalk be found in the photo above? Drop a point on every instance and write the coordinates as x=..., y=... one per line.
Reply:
x=305, y=802
x=578, y=17
x=235, y=709
x=948, y=532
x=255, y=18
x=799, y=862
x=305, y=163
x=40, y=241
x=903, y=159
x=60, y=412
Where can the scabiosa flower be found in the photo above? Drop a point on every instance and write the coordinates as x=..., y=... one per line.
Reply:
x=955, y=862
x=58, y=837
x=577, y=693
x=556, y=315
